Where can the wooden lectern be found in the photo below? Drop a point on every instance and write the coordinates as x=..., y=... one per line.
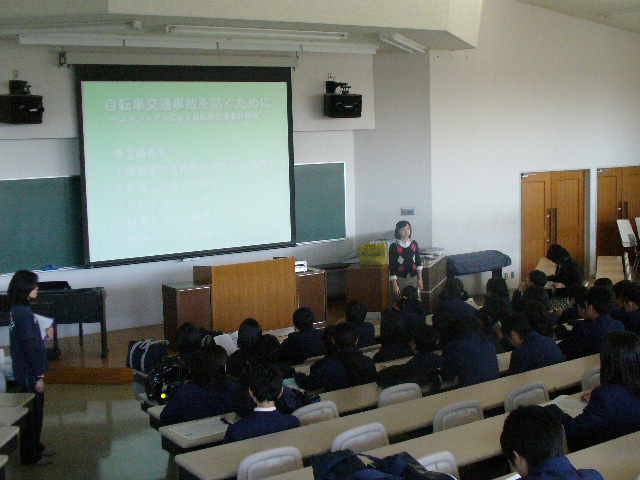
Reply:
x=263, y=290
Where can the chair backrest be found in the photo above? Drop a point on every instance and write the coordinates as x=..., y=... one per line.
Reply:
x=317, y=412
x=626, y=230
x=269, y=463
x=627, y=267
x=443, y=462
x=362, y=438
x=530, y=394
x=399, y=393
x=457, y=414
x=591, y=378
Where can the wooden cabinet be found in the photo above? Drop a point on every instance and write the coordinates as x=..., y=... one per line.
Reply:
x=434, y=277
x=185, y=302
x=369, y=285
x=618, y=197
x=552, y=212
x=312, y=292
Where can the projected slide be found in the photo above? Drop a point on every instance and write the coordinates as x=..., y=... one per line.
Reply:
x=175, y=167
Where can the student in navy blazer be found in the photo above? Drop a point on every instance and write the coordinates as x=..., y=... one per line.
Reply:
x=452, y=302
x=631, y=316
x=355, y=313
x=532, y=350
x=466, y=353
x=533, y=442
x=265, y=386
x=614, y=407
x=394, y=337
x=588, y=335
x=305, y=342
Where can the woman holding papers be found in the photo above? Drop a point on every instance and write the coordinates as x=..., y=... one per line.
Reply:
x=30, y=363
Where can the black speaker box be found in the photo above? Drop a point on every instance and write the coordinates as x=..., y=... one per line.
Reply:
x=342, y=105
x=21, y=109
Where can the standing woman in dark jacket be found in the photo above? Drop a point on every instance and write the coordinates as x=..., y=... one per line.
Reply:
x=30, y=363
x=568, y=272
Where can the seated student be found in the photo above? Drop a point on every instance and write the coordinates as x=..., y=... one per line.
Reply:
x=614, y=407
x=265, y=386
x=207, y=394
x=355, y=313
x=631, y=317
x=452, y=302
x=536, y=279
x=576, y=295
x=248, y=334
x=533, y=441
x=568, y=271
x=188, y=340
x=466, y=353
x=617, y=311
x=538, y=317
x=497, y=299
x=394, y=338
x=411, y=309
x=587, y=336
x=344, y=366
x=422, y=368
x=531, y=350
x=305, y=342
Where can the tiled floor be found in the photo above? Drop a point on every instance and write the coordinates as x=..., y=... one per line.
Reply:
x=98, y=432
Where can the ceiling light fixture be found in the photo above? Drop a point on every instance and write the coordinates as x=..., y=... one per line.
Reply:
x=252, y=33
x=404, y=43
x=619, y=13
x=123, y=27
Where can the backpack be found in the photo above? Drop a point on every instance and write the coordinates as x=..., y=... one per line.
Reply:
x=145, y=354
x=169, y=373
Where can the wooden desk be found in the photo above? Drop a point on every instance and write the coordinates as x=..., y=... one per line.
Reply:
x=545, y=265
x=8, y=439
x=370, y=285
x=222, y=461
x=12, y=415
x=17, y=400
x=616, y=459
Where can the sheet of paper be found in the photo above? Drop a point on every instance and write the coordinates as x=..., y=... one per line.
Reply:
x=44, y=323
x=200, y=429
x=569, y=405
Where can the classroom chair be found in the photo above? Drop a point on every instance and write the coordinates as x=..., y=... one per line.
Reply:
x=316, y=412
x=399, y=393
x=269, y=463
x=362, y=438
x=443, y=462
x=591, y=379
x=457, y=414
x=530, y=394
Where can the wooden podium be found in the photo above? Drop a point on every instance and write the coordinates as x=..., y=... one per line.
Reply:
x=263, y=290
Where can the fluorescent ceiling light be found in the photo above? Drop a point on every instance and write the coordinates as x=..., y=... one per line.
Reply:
x=252, y=33
x=54, y=28
x=404, y=43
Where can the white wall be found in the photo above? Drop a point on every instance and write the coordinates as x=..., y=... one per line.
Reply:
x=51, y=149
x=543, y=91
x=392, y=162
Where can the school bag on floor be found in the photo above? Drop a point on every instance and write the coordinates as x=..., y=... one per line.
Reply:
x=145, y=354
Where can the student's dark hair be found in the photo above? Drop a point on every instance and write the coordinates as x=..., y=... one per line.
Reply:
x=454, y=289
x=248, y=333
x=601, y=299
x=536, y=314
x=557, y=254
x=539, y=294
x=393, y=330
x=399, y=225
x=577, y=292
x=456, y=326
x=345, y=339
x=604, y=282
x=265, y=382
x=620, y=286
x=344, y=336
x=534, y=433
x=20, y=286
x=303, y=318
x=355, y=311
x=500, y=309
x=425, y=338
x=516, y=322
x=188, y=338
x=620, y=361
x=207, y=367
x=632, y=294
x=328, y=339
x=409, y=297
x=267, y=349
x=538, y=277
x=497, y=287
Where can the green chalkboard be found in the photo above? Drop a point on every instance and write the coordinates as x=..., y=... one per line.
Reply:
x=40, y=223
x=320, y=202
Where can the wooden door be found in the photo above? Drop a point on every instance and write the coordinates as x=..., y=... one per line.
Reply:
x=609, y=210
x=631, y=193
x=536, y=202
x=567, y=198
x=552, y=212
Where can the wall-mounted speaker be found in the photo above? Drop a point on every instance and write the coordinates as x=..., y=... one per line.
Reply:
x=342, y=105
x=21, y=109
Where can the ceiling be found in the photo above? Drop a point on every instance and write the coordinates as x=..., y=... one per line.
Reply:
x=623, y=14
